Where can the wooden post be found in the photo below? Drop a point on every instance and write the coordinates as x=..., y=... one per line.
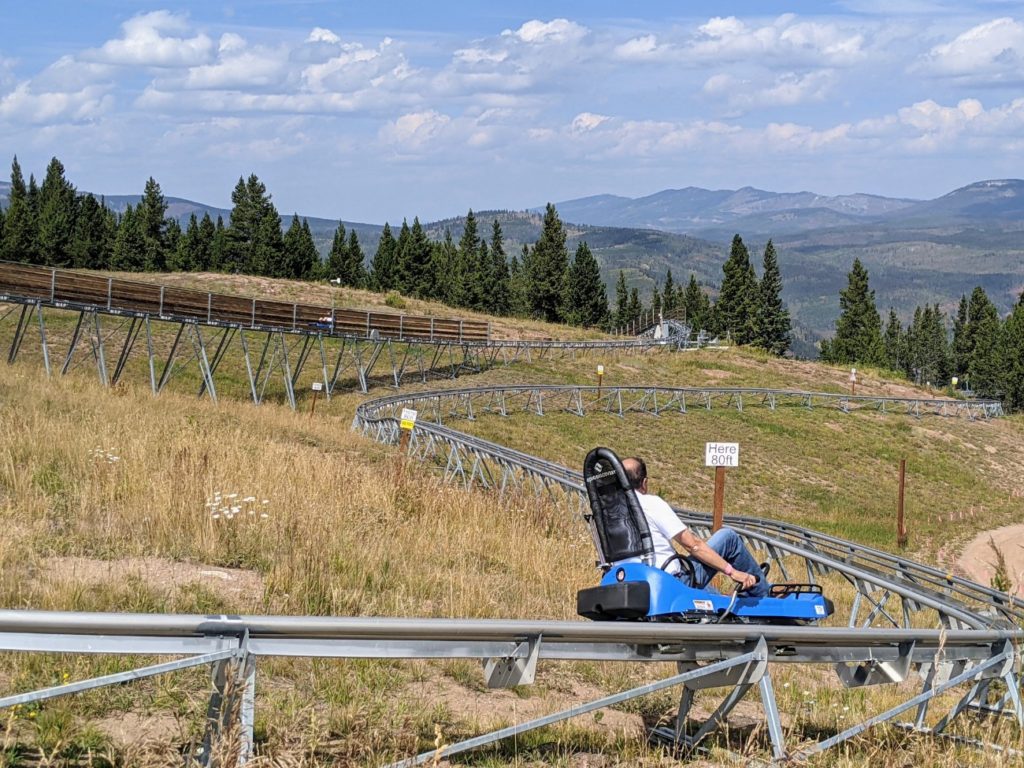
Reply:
x=719, y=512
x=901, y=529
x=317, y=386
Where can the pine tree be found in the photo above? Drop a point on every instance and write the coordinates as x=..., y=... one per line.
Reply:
x=500, y=299
x=548, y=266
x=774, y=332
x=1012, y=346
x=254, y=240
x=482, y=275
x=656, y=302
x=185, y=257
x=519, y=283
x=385, y=261
x=356, y=259
x=586, y=302
x=668, y=295
x=337, y=257
x=634, y=308
x=694, y=305
x=206, y=246
x=151, y=214
x=621, y=301
x=129, y=244
x=19, y=243
x=417, y=278
x=220, y=247
x=984, y=368
x=858, y=336
x=308, y=262
x=466, y=267
x=442, y=264
x=738, y=299
x=58, y=208
x=961, y=352
x=92, y=246
x=299, y=255
x=894, y=343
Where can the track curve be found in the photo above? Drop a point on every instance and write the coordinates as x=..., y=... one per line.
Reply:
x=957, y=602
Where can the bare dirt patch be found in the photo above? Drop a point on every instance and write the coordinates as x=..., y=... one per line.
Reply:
x=978, y=560
x=127, y=729
x=168, y=574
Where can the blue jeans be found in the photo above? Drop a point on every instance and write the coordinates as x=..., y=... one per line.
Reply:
x=729, y=546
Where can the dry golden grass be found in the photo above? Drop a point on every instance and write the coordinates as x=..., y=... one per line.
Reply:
x=90, y=476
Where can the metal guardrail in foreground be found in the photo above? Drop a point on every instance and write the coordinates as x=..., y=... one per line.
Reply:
x=265, y=347
x=890, y=591
x=734, y=656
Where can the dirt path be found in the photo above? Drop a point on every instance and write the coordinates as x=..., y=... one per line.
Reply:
x=978, y=560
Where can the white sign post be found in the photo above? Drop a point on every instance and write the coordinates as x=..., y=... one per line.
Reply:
x=720, y=456
x=407, y=422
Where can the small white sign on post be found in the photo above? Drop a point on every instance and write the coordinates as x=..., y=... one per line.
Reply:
x=721, y=454
x=408, y=420
x=318, y=386
x=600, y=370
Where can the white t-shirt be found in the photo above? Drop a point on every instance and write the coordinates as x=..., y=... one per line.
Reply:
x=664, y=525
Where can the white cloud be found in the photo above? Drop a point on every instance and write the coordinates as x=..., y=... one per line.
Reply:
x=480, y=56
x=787, y=38
x=321, y=35
x=413, y=131
x=785, y=90
x=643, y=48
x=23, y=105
x=994, y=50
x=558, y=31
x=587, y=121
x=354, y=67
x=145, y=44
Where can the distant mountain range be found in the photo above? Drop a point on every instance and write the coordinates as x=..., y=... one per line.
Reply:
x=916, y=251
x=717, y=213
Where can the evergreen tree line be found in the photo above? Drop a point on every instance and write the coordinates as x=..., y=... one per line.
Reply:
x=53, y=225
x=748, y=310
x=983, y=351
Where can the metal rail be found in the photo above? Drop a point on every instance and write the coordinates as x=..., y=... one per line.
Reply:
x=890, y=591
x=118, y=320
x=707, y=656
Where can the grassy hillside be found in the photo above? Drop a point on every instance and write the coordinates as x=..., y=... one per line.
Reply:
x=115, y=500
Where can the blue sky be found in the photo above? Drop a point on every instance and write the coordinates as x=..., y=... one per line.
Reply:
x=380, y=111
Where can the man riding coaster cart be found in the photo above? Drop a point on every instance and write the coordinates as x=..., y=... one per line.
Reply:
x=646, y=579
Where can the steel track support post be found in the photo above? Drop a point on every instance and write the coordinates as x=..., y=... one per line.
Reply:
x=169, y=365
x=1001, y=657
x=126, y=349
x=230, y=713
x=323, y=366
x=771, y=715
x=199, y=345
x=300, y=363
x=248, y=366
x=150, y=355
x=19, y=332
x=75, y=336
x=98, y=351
x=582, y=709
x=222, y=346
x=42, y=340
x=286, y=369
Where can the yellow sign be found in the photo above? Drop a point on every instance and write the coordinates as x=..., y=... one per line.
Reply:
x=408, y=418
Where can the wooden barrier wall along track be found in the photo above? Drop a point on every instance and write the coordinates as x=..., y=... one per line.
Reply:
x=63, y=286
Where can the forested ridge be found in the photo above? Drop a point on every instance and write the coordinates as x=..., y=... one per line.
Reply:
x=52, y=224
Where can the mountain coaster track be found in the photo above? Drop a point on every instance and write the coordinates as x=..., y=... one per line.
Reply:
x=905, y=617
